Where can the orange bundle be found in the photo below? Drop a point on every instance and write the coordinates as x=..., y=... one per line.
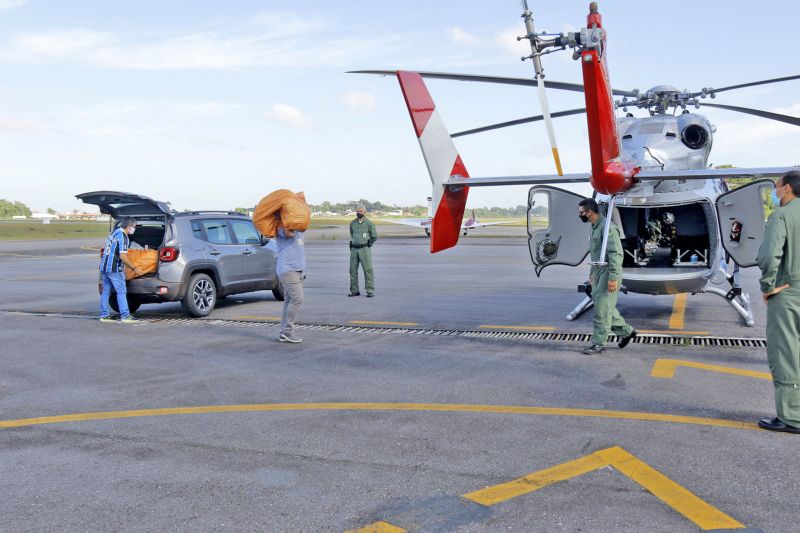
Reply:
x=282, y=208
x=146, y=260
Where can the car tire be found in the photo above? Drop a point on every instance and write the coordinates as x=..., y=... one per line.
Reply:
x=201, y=296
x=277, y=292
x=133, y=305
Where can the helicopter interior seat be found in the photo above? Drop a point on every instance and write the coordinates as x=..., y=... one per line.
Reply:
x=627, y=219
x=691, y=232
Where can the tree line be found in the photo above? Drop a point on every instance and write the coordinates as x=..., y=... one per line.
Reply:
x=10, y=209
x=342, y=208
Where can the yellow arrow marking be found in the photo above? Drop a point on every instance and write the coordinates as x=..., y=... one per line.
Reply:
x=378, y=527
x=665, y=368
x=680, y=499
x=678, y=311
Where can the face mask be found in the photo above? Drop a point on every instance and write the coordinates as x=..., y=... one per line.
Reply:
x=776, y=200
x=583, y=218
x=360, y=215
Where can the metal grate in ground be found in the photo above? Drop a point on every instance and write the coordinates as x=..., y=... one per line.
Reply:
x=642, y=338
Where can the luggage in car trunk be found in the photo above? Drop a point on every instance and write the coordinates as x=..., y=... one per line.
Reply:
x=146, y=260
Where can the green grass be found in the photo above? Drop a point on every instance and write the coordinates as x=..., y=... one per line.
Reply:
x=321, y=222
x=30, y=230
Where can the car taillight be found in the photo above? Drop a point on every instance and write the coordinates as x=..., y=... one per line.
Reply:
x=168, y=254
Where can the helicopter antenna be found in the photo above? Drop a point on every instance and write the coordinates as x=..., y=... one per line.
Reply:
x=536, y=58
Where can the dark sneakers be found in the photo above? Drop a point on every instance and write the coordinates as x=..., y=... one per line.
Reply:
x=775, y=424
x=626, y=340
x=594, y=349
x=354, y=294
x=370, y=295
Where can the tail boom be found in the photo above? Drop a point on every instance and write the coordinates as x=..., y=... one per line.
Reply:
x=442, y=159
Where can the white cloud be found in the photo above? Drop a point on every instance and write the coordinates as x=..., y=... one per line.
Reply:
x=288, y=115
x=507, y=39
x=276, y=38
x=18, y=124
x=6, y=5
x=56, y=44
x=460, y=36
x=359, y=100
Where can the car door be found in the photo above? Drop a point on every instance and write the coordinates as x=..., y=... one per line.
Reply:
x=223, y=251
x=556, y=236
x=258, y=262
x=742, y=220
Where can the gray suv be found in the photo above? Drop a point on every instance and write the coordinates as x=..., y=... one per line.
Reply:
x=202, y=255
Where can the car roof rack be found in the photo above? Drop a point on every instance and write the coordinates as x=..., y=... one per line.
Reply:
x=235, y=213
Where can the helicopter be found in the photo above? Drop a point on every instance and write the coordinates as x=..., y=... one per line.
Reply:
x=680, y=224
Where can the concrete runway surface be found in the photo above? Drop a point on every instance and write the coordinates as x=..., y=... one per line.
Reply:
x=432, y=407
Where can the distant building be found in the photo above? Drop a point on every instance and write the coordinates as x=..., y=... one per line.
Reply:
x=41, y=216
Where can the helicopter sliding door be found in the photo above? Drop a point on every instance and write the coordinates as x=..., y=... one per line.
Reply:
x=556, y=236
x=742, y=220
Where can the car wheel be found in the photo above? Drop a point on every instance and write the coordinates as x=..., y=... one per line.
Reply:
x=133, y=306
x=201, y=296
x=277, y=292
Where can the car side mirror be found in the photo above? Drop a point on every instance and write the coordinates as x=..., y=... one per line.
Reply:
x=264, y=240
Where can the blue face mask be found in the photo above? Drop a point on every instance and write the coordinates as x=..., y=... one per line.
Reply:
x=775, y=200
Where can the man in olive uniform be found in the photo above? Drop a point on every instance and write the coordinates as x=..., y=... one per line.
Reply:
x=779, y=261
x=362, y=236
x=605, y=280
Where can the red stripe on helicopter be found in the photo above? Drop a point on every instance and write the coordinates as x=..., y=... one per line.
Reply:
x=418, y=99
x=446, y=225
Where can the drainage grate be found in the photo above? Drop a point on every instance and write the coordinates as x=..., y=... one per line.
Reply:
x=642, y=338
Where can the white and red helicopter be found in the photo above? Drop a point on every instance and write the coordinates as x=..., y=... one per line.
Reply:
x=680, y=224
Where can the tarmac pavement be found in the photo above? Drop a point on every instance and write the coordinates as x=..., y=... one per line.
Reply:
x=388, y=421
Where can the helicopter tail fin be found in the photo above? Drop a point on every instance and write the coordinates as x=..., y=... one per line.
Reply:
x=442, y=159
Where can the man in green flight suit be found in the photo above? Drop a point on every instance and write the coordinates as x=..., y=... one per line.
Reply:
x=605, y=280
x=779, y=261
x=362, y=236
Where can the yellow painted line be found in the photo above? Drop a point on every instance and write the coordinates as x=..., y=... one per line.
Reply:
x=665, y=368
x=253, y=317
x=672, y=332
x=525, y=328
x=678, y=311
x=380, y=323
x=702, y=514
x=537, y=480
x=378, y=527
x=59, y=275
x=354, y=406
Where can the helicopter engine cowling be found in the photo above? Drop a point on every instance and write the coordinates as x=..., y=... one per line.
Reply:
x=695, y=131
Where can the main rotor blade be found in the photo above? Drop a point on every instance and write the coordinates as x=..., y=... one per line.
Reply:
x=565, y=86
x=757, y=112
x=519, y=121
x=754, y=83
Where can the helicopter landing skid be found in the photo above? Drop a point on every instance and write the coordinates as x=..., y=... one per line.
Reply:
x=586, y=304
x=740, y=303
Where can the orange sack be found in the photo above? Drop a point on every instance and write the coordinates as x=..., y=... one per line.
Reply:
x=146, y=260
x=282, y=207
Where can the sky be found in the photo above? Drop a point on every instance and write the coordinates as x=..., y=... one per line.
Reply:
x=212, y=105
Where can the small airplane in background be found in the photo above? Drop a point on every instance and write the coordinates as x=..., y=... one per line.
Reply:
x=425, y=223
